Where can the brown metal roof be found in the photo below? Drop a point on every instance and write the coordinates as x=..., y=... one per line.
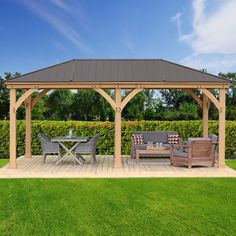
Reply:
x=115, y=70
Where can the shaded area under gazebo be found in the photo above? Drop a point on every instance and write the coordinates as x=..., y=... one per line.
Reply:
x=102, y=74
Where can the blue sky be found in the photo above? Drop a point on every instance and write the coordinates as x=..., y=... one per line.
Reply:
x=39, y=33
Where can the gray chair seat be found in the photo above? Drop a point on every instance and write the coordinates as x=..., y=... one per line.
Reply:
x=48, y=147
x=180, y=153
x=88, y=148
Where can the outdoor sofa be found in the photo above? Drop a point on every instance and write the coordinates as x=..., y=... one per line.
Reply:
x=155, y=137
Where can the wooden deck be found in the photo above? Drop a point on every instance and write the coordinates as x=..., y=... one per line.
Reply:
x=32, y=168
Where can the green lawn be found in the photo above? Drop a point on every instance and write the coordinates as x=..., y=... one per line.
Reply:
x=231, y=163
x=3, y=162
x=118, y=206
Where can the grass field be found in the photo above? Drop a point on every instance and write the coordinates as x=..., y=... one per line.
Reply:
x=3, y=162
x=231, y=163
x=118, y=206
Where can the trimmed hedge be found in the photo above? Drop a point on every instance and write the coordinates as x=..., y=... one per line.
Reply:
x=186, y=129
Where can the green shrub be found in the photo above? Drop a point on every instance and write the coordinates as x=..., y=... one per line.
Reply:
x=186, y=129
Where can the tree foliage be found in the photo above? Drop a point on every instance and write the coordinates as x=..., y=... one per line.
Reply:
x=231, y=96
x=87, y=105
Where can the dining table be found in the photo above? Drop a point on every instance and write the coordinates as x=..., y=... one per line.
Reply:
x=76, y=140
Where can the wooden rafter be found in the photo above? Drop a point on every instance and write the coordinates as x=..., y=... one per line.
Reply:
x=194, y=96
x=23, y=98
x=40, y=95
x=205, y=115
x=129, y=96
x=107, y=97
x=211, y=97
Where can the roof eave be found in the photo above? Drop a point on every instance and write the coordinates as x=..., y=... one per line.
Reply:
x=75, y=85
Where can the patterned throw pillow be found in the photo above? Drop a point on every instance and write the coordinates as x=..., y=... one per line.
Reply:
x=173, y=138
x=138, y=139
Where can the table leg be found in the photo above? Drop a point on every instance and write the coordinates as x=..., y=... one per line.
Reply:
x=69, y=152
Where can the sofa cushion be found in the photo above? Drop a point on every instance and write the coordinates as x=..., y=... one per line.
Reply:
x=141, y=146
x=155, y=136
x=150, y=136
x=173, y=138
x=138, y=139
x=197, y=139
x=213, y=137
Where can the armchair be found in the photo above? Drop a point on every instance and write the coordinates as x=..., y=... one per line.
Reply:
x=198, y=151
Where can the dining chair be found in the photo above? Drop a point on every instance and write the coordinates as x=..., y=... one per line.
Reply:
x=88, y=148
x=48, y=147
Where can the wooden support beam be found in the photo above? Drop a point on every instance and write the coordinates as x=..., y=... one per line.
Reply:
x=116, y=105
x=117, y=151
x=107, y=97
x=38, y=97
x=205, y=115
x=129, y=97
x=221, y=162
x=12, y=146
x=211, y=97
x=23, y=98
x=194, y=96
x=112, y=85
x=28, y=127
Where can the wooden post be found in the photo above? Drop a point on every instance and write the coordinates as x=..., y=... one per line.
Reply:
x=12, y=146
x=28, y=127
x=117, y=151
x=221, y=162
x=205, y=115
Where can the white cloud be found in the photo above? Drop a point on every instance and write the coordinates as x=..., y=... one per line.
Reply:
x=177, y=19
x=213, y=32
x=213, y=63
x=62, y=5
x=57, y=23
x=129, y=45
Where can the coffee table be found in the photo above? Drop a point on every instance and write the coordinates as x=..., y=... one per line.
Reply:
x=152, y=151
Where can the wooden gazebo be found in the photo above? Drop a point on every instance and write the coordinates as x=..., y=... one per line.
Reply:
x=101, y=74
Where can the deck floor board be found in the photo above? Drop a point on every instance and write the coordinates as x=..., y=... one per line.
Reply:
x=32, y=168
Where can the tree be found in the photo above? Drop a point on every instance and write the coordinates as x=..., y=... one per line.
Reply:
x=188, y=111
x=5, y=99
x=39, y=109
x=149, y=98
x=89, y=105
x=149, y=114
x=230, y=96
x=135, y=107
x=58, y=105
x=172, y=98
